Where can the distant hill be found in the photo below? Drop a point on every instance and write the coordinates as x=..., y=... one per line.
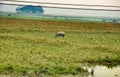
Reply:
x=30, y=9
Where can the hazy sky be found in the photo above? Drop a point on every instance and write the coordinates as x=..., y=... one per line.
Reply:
x=70, y=12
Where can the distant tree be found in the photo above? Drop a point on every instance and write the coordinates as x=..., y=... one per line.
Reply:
x=30, y=9
x=114, y=20
x=9, y=15
x=104, y=20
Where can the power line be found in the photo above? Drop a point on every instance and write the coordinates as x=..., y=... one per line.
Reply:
x=61, y=3
x=64, y=7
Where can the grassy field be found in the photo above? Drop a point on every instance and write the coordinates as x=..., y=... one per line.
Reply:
x=29, y=46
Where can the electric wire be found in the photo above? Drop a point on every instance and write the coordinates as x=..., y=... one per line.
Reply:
x=61, y=3
x=56, y=7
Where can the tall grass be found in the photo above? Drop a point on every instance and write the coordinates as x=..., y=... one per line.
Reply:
x=30, y=46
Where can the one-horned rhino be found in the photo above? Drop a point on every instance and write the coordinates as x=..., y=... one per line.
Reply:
x=60, y=34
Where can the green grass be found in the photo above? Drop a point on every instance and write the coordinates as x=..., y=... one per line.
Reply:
x=29, y=46
x=43, y=18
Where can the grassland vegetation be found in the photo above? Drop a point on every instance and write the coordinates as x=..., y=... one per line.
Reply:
x=29, y=46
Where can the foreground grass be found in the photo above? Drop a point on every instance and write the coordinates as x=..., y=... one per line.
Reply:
x=29, y=46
